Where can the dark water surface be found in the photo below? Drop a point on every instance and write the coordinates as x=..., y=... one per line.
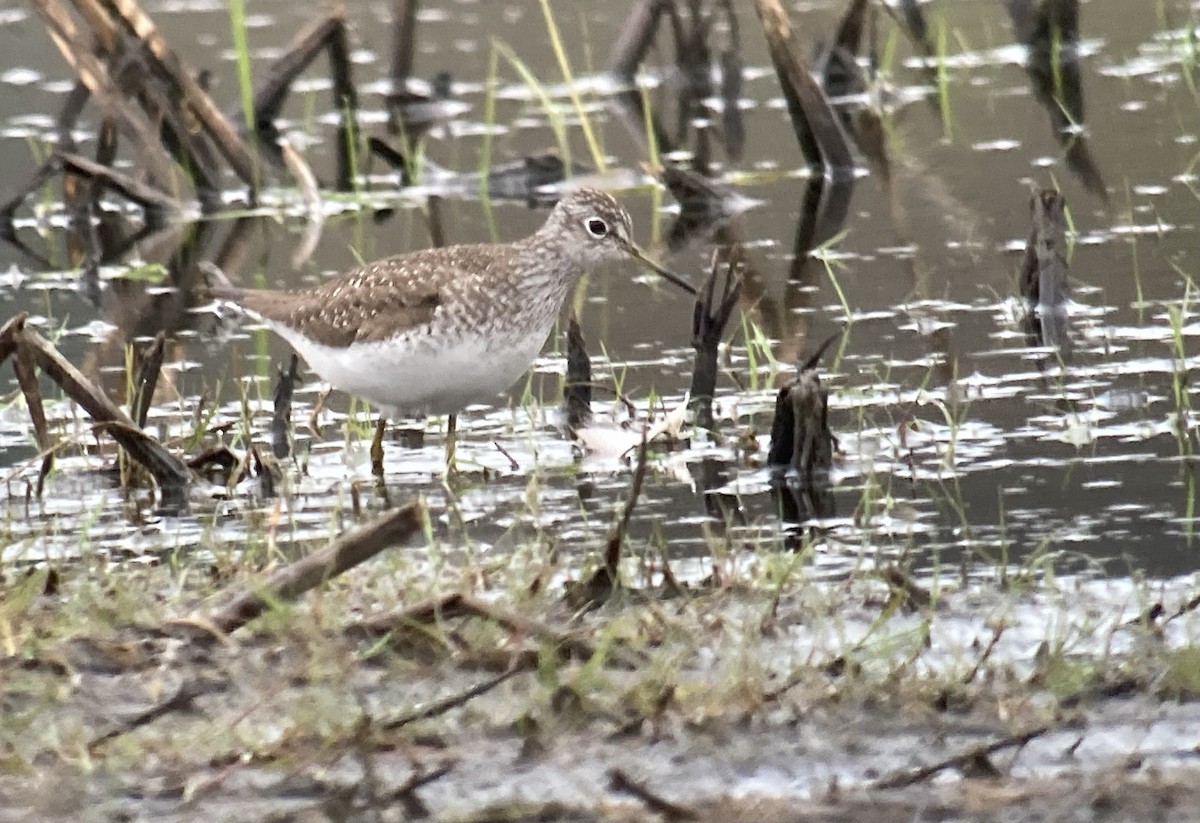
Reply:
x=961, y=444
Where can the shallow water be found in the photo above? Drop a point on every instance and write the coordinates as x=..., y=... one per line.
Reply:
x=961, y=445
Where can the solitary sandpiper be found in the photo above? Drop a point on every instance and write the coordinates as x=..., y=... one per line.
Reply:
x=436, y=330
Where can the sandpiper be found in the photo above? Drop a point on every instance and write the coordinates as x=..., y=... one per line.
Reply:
x=433, y=331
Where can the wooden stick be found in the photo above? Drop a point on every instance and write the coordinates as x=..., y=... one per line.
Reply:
x=304, y=48
x=344, y=553
x=8, y=335
x=345, y=100
x=636, y=38
x=168, y=470
x=404, y=27
x=145, y=196
x=577, y=389
x=160, y=100
x=218, y=127
x=616, y=535
x=94, y=74
x=822, y=140
x=146, y=380
x=710, y=315
x=281, y=419
x=27, y=380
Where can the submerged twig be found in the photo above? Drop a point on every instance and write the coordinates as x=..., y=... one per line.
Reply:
x=9, y=206
x=997, y=632
x=269, y=97
x=709, y=318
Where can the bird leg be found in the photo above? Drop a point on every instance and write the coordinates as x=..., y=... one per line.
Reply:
x=377, y=446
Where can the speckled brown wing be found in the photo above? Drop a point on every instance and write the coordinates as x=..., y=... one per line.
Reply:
x=357, y=316
x=375, y=302
x=389, y=297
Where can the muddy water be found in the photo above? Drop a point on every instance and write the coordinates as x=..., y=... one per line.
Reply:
x=961, y=444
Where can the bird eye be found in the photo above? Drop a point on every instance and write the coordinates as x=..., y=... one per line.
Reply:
x=596, y=227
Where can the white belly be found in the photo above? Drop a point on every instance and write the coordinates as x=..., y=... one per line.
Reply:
x=418, y=377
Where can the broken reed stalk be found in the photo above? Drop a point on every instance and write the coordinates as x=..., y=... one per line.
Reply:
x=309, y=42
x=146, y=380
x=76, y=49
x=344, y=553
x=8, y=335
x=733, y=124
x=450, y=606
x=192, y=97
x=168, y=471
x=800, y=435
x=822, y=140
x=577, y=390
x=636, y=37
x=314, y=206
x=1043, y=278
x=148, y=197
x=709, y=318
x=404, y=27
x=345, y=101
x=616, y=535
x=281, y=418
x=435, y=221
x=27, y=380
x=118, y=53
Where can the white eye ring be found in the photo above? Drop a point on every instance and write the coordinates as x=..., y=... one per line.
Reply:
x=596, y=227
